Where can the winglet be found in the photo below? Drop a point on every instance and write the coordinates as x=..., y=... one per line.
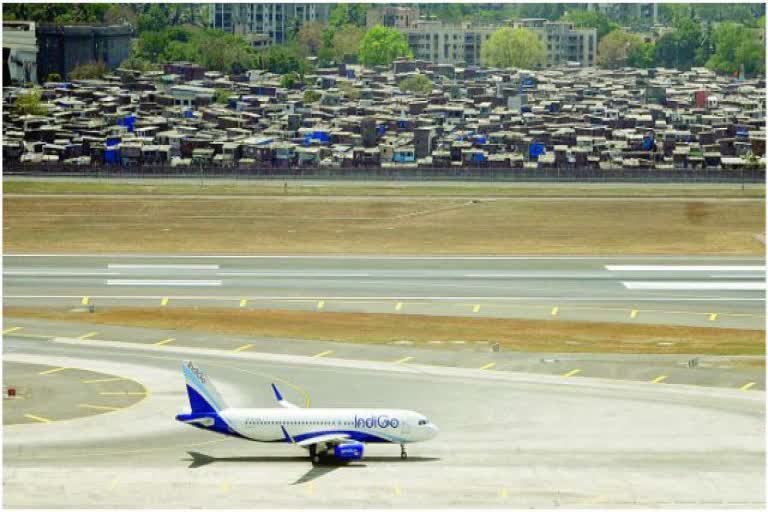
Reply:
x=277, y=393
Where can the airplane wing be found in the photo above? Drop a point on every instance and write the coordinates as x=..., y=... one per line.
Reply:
x=281, y=400
x=325, y=438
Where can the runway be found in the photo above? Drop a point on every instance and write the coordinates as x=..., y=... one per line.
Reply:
x=701, y=291
x=507, y=439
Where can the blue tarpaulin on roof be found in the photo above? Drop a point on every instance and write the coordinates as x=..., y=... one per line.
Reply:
x=478, y=157
x=742, y=132
x=112, y=156
x=381, y=128
x=536, y=149
x=479, y=139
x=189, y=114
x=113, y=141
x=128, y=121
x=648, y=142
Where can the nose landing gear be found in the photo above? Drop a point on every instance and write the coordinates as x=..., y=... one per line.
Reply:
x=403, y=453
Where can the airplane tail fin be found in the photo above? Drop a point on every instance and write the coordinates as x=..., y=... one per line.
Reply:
x=203, y=396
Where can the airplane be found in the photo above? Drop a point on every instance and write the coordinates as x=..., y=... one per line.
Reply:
x=337, y=433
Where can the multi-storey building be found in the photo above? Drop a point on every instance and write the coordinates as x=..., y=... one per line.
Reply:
x=265, y=24
x=392, y=16
x=643, y=11
x=564, y=43
x=461, y=43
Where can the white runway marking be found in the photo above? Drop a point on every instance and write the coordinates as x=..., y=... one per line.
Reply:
x=537, y=275
x=694, y=285
x=685, y=268
x=369, y=257
x=161, y=267
x=290, y=274
x=39, y=273
x=388, y=298
x=163, y=282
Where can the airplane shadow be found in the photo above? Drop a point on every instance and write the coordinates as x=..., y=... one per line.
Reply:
x=322, y=468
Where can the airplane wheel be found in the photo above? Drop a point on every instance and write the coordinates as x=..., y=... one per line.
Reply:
x=404, y=455
x=316, y=459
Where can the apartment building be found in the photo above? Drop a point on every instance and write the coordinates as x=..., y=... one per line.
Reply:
x=392, y=16
x=565, y=44
x=445, y=43
x=642, y=11
x=265, y=24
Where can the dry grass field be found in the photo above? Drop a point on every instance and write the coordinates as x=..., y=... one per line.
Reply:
x=380, y=225
x=512, y=334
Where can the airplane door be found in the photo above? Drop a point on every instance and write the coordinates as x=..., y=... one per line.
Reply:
x=406, y=427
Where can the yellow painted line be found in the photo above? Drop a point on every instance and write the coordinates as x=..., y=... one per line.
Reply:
x=37, y=418
x=225, y=487
x=476, y=308
x=88, y=335
x=164, y=301
x=571, y=373
x=165, y=341
x=113, y=484
x=555, y=310
x=311, y=488
x=503, y=493
x=99, y=407
x=323, y=353
x=53, y=370
x=85, y=300
x=404, y=360
x=12, y=329
x=746, y=386
x=243, y=347
x=133, y=393
x=95, y=381
x=398, y=306
x=712, y=317
x=243, y=303
x=320, y=304
x=398, y=492
x=633, y=313
x=659, y=379
x=487, y=366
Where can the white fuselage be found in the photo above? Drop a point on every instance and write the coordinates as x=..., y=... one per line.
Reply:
x=365, y=425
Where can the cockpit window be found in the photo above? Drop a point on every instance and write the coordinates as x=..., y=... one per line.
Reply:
x=423, y=422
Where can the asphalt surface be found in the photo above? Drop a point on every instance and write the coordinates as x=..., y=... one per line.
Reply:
x=507, y=439
x=716, y=291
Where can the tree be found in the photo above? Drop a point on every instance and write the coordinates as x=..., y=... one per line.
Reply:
x=281, y=59
x=736, y=46
x=418, y=84
x=591, y=19
x=30, y=103
x=88, y=70
x=120, y=13
x=347, y=14
x=615, y=48
x=514, y=47
x=155, y=19
x=382, y=45
x=346, y=41
x=291, y=80
x=310, y=37
x=311, y=96
x=681, y=49
x=642, y=56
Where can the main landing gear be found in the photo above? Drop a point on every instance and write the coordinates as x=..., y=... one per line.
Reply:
x=313, y=455
x=403, y=453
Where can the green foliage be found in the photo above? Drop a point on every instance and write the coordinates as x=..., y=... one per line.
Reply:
x=282, y=58
x=291, y=80
x=53, y=77
x=310, y=37
x=154, y=20
x=615, y=49
x=138, y=64
x=382, y=45
x=591, y=19
x=550, y=11
x=30, y=103
x=350, y=91
x=346, y=42
x=514, y=47
x=347, y=14
x=221, y=96
x=88, y=71
x=736, y=46
x=641, y=56
x=311, y=96
x=55, y=12
x=681, y=49
x=417, y=84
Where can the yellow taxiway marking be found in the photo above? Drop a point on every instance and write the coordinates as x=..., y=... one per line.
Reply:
x=243, y=347
x=311, y=488
x=487, y=366
x=12, y=329
x=165, y=341
x=404, y=360
x=37, y=418
x=398, y=492
x=99, y=407
x=476, y=308
x=113, y=484
x=134, y=393
x=225, y=487
x=712, y=317
x=398, y=306
x=53, y=370
x=633, y=313
x=164, y=301
x=746, y=386
x=243, y=303
x=571, y=373
x=555, y=310
x=320, y=304
x=323, y=353
x=659, y=379
x=503, y=493
x=85, y=300
x=111, y=379
x=88, y=335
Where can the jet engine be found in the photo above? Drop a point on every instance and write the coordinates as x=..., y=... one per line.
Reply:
x=351, y=450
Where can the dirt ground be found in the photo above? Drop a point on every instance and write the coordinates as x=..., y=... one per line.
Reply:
x=381, y=225
x=518, y=335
